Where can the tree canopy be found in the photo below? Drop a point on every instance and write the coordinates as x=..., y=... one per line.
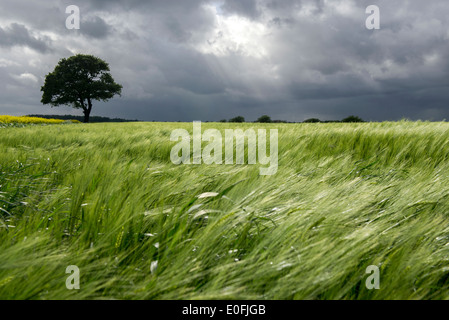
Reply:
x=264, y=119
x=352, y=119
x=77, y=81
x=238, y=119
x=312, y=120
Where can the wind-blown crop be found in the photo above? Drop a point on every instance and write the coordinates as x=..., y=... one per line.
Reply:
x=106, y=198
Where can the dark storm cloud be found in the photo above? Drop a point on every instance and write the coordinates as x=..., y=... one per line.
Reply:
x=208, y=60
x=96, y=27
x=18, y=35
x=241, y=7
x=196, y=78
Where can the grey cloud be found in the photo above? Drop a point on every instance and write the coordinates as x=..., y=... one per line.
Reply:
x=177, y=32
x=190, y=71
x=18, y=35
x=241, y=7
x=95, y=27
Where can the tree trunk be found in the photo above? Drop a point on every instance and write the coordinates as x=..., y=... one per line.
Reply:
x=86, y=115
x=87, y=110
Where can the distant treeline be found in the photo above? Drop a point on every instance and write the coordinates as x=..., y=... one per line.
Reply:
x=80, y=118
x=267, y=119
x=239, y=119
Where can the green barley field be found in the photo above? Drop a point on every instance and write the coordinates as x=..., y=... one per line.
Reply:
x=107, y=198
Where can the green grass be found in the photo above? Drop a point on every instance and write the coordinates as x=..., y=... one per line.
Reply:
x=107, y=198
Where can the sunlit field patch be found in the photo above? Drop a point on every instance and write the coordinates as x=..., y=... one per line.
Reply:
x=30, y=120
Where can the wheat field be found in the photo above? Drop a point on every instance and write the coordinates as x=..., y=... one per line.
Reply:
x=107, y=198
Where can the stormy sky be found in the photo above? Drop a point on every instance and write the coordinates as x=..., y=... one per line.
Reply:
x=210, y=60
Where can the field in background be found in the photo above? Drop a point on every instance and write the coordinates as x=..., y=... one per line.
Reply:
x=106, y=197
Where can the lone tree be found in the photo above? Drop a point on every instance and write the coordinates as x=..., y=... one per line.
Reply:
x=352, y=119
x=77, y=81
x=312, y=120
x=264, y=119
x=238, y=119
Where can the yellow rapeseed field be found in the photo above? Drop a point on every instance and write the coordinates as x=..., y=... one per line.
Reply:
x=31, y=120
